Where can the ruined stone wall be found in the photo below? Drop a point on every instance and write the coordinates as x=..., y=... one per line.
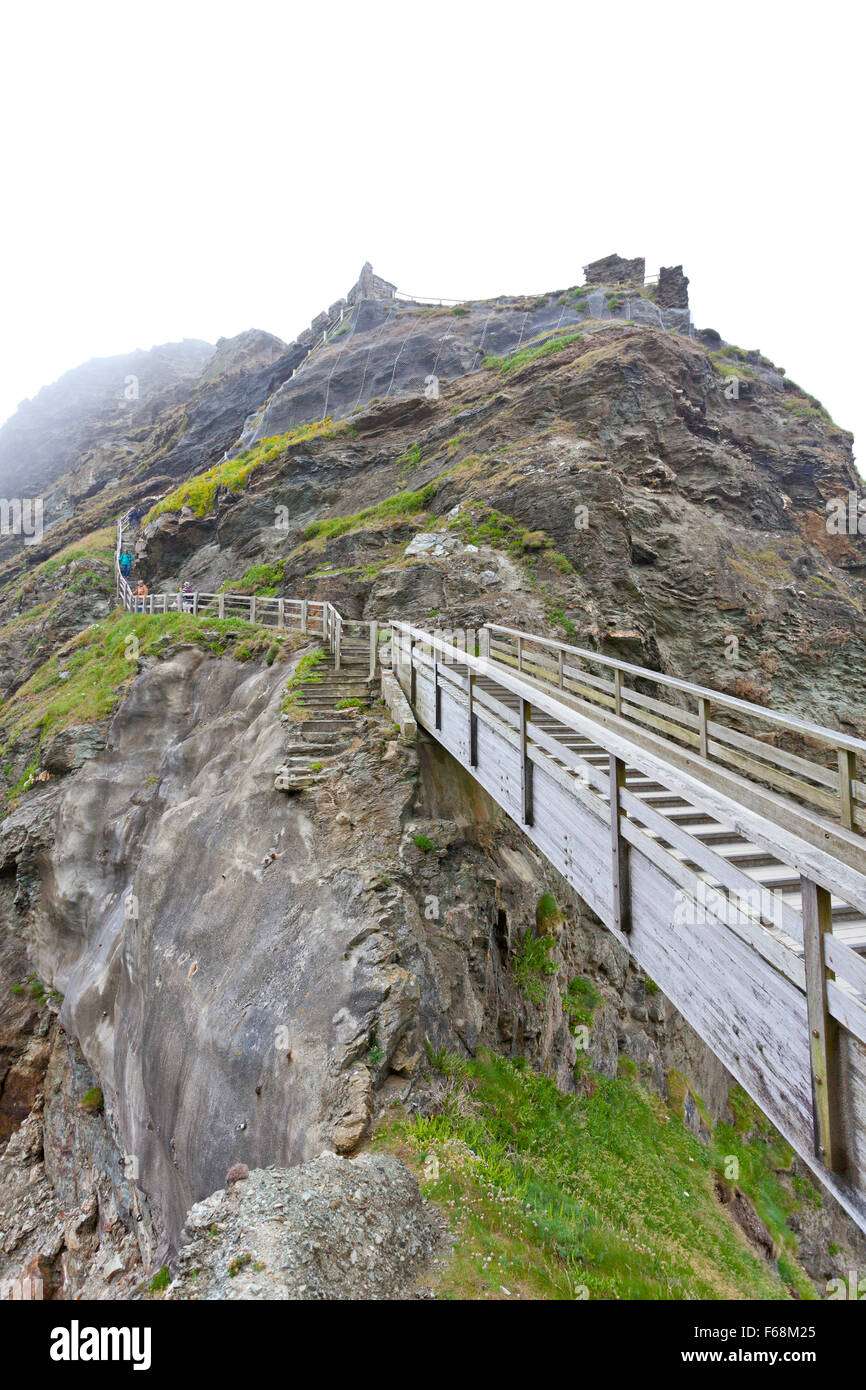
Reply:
x=370, y=286
x=367, y=286
x=615, y=270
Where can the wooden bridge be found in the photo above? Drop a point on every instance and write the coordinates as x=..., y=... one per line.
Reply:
x=720, y=841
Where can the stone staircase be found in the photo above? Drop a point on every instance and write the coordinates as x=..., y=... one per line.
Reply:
x=316, y=742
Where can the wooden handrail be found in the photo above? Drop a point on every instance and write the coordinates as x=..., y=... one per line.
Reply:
x=840, y=878
x=833, y=737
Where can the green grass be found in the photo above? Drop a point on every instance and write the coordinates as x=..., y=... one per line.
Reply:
x=92, y=1101
x=400, y=505
x=261, y=580
x=547, y=914
x=99, y=545
x=351, y=703
x=580, y=1001
x=234, y=474
x=533, y=966
x=479, y=524
x=344, y=326
x=423, y=842
x=411, y=458
x=606, y=1194
x=86, y=679
x=306, y=672
x=516, y=360
x=160, y=1280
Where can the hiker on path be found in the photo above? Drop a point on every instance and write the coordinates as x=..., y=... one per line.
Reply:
x=186, y=597
x=140, y=596
x=125, y=564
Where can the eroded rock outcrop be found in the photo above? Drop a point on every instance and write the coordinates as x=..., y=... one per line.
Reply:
x=330, y=1228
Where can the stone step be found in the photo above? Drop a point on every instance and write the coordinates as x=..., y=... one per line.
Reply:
x=317, y=751
x=321, y=726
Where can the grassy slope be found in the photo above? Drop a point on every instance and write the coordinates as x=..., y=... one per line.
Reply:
x=600, y=1195
x=86, y=679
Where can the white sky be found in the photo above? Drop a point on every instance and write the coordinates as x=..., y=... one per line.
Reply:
x=191, y=170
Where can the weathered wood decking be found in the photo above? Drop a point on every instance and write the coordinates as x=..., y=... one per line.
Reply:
x=731, y=867
x=739, y=920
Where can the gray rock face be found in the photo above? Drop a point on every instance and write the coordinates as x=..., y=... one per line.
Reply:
x=331, y=1228
x=72, y=747
x=47, y=435
x=393, y=349
x=72, y=1218
x=81, y=440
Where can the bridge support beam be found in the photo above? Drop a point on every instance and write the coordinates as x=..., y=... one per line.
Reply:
x=473, y=720
x=619, y=850
x=823, y=1029
x=413, y=678
x=525, y=766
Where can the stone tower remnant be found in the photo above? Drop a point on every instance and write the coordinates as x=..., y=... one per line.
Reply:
x=673, y=291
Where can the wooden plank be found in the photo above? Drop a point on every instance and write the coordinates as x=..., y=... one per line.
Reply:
x=619, y=848
x=714, y=864
x=846, y=1011
x=762, y=941
x=845, y=963
x=818, y=923
x=588, y=774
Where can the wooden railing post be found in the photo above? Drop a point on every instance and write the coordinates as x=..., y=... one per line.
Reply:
x=702, y=727
x=374, y=648
x=617, y=691
x=619, y=849
x=520, y=653
x=823, y=1030
x=195, y=604
x=525, y=765
x=253, y=608
x=281, y=612
x=413, y=680
x=847, y=773
x=221, y=605
x=437, y=693
x=304, y=615
x=561, y=670
x=338, y=627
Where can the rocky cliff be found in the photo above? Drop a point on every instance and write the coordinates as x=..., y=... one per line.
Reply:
x=242, y=978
